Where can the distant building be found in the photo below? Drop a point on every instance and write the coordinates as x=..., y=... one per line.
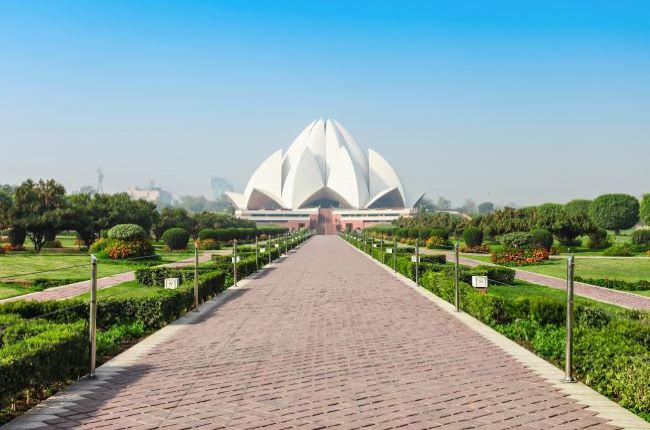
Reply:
x=220, y=186
x=152, y=194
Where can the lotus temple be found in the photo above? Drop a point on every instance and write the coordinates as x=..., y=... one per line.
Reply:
x=325, y=182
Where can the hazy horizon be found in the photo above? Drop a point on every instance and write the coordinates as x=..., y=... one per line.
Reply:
x=502, y=102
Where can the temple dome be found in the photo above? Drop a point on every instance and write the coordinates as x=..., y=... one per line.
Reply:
x=323, y=166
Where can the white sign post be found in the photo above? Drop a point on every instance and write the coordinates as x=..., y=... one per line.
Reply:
x=480, y=282
x=389, y=250
x=171, y=283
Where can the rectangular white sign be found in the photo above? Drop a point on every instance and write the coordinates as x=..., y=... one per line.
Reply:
x=236, y=259
x=479, y=281
x=262, y=250
x=389, y=250
x=171, y=283
x=414, y=258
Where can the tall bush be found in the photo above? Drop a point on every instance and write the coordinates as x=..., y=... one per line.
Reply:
x=517, y=239
x=598, y=239
x=641, y=236
x=542, y=238
x=473, y=236
x=644, y=209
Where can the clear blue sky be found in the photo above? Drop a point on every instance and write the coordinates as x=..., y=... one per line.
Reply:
x=511, y=101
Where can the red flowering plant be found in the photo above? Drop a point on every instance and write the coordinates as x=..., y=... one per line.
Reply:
x=519, y=256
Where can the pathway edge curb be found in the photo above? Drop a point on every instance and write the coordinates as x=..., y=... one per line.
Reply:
x=581, y=393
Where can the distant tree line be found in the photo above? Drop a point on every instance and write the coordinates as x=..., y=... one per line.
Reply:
x=566, y=222
x=40, y=210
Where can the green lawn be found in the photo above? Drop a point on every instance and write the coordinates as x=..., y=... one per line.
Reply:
x=11, y=290
x=626, y=269
x=127, y=289
x=20, y=266
x=526, y=289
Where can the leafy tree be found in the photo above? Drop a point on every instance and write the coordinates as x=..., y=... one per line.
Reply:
x=577, y=213
x=508, y=220
x=6, y=194
x=82, y=219
x=172, y=217
x=113, y=209
x=486, y=208
x=449, y=222
x=566, y=223
x=40, y=210
x=645, y=209
x=614, y=211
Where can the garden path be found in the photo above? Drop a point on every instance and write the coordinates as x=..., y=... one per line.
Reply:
x=606, y=295
x=323, y=338
x=77, y=288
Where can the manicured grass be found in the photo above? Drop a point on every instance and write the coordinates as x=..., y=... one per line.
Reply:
x=11, y=290
x=129, y=289
x=626, y=269
x=526, y=289
x=21, y=266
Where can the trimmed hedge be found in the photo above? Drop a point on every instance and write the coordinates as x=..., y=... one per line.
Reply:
x=208, y=233
x=616, y=284
x=41, y=353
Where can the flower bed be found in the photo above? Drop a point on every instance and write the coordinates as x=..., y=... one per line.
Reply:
x=477, y=249
x=519, y=257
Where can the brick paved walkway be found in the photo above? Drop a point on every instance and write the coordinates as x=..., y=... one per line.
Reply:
x=606, y=295
x=324, y=339
x=71, y=290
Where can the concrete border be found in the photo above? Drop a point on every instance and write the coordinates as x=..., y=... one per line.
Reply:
x=76, y=392
x=581, y=393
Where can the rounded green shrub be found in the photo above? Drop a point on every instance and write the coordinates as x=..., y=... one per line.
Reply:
x=619, y=250
x=641, y=236
x=209, y=233
x=473, y=236
x=542, y=238
x=517, y=239
x=598, y=239
x=127, y=232
x=176, y=238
